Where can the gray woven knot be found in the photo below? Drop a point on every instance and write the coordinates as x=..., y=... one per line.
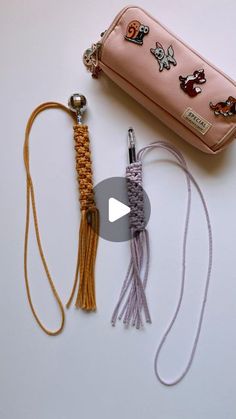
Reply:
x=135, y=196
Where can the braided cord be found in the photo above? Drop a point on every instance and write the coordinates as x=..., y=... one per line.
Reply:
x=135, y=196
x=84, y=167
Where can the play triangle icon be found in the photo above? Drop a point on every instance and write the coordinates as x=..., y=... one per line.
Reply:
x=116, y=209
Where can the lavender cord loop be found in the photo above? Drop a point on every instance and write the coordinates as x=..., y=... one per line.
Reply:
x=190, y=179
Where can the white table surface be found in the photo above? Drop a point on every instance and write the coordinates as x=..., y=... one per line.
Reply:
x=93, y=370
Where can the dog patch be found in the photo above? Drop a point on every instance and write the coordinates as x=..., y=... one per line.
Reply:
x=136, y=31
x=187, y=83
x=196, y=120
x=227, y=108
x=164, y=58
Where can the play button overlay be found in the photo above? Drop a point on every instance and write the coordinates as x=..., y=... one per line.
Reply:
x=113, y=205
x=117, y=210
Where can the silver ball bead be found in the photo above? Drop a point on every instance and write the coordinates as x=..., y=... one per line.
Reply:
x=77, y=102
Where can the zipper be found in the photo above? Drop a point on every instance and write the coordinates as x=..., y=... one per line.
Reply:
x=92, y=55
x=230, y=136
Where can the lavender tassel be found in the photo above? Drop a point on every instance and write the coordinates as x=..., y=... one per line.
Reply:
x=132, y=302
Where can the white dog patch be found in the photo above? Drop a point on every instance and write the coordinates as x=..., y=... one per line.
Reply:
x=164, y=58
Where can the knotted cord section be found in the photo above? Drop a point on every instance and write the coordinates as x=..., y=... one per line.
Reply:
x=136, y=278
x=135, y=196
x=84, y=167
x=89, y=225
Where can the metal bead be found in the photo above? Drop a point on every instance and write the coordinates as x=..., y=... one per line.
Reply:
x=77, y=103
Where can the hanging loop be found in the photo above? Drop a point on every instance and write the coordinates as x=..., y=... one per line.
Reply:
x=31, y=203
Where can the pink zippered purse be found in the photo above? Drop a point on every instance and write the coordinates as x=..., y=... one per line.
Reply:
x=169, y=78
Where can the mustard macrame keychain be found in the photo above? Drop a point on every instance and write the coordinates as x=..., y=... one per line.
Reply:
x=89, y=225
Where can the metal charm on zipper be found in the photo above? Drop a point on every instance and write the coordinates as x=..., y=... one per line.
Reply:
x=90, y=59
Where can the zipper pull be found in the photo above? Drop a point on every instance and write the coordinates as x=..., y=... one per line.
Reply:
x=90, y=59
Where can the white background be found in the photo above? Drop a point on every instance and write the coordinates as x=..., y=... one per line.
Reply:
x=93, y=370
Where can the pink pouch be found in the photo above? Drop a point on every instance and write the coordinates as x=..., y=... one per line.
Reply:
x=169, y=78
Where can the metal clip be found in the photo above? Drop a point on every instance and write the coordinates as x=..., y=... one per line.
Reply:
x=131, y=145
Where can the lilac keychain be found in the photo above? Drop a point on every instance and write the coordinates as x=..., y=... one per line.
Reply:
x=132, y=303
x=137, y=274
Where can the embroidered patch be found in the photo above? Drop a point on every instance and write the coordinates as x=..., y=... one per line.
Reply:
x=227, y=108
x=164, y=58
x=136, y=31
x=196, y=120
x=187, y=83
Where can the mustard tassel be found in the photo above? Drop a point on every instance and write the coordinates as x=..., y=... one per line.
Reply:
x=89, y=225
